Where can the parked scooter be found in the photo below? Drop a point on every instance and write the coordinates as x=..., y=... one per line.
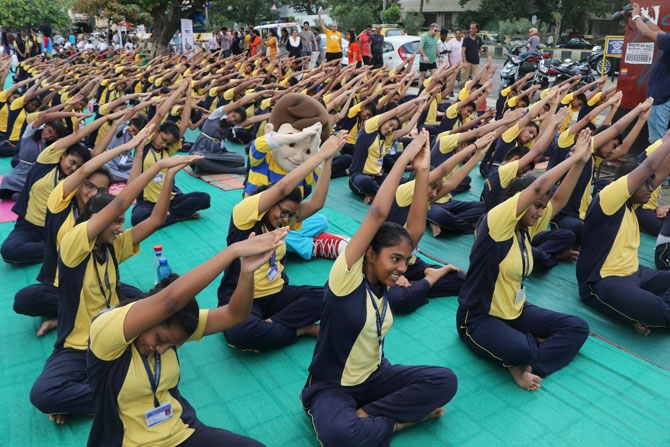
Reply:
x=570, y=68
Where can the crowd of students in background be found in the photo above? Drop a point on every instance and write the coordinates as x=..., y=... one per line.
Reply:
x=75, y=125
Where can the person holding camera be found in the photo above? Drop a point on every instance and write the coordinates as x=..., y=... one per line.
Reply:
x=657, y=86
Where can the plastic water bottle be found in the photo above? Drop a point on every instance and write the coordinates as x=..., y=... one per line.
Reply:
x=164, y=269
x=158, y=252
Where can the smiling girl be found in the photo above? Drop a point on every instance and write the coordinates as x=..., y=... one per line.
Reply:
x=353, y=393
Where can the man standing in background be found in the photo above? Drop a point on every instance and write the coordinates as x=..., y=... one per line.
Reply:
x=225, y=41
x=376, y=43
x=364, y=43
x=428, y=50
x=443, y=48
x=309, y=46
x=472, y=47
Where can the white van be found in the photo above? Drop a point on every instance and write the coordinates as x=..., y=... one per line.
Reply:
x=265, y=29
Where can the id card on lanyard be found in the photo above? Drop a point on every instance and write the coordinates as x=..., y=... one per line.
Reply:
x=525, y=267
x=160, y=412
x=273, y=269
x=158, y=177
x=379, y=318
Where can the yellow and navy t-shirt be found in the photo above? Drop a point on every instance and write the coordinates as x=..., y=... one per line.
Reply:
x=502, y=104
x=265, y=170
x=589, y=106
x=580, y=199
x=497, y=262
x=370, y=148
x=610, y=236
x=87, y=284
x=42, y=178
x=246, y=219
x=16, y=116
x=497, y=182
x=149, y=158
x=4, y=110
x=402, y=201
x=451, y=119
x=122, y=392
x=351, y=122
x=347, y=350
x=62, y=213
x=653, y=201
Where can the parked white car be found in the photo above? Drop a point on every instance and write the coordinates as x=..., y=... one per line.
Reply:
x=399, y=48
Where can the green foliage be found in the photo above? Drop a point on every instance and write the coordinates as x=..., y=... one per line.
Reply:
x=392, y=14
x=135, y=11
x=310, y=7
x=469, y=16
x=574, y=13
x=26, y=13
x=412, y=22
x=249, y=12
x=354, y=14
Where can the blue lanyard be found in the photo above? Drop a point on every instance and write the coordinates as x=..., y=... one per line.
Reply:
x=524, y=255
x=379, y=318
x=55, y=177
x=97, y=274
x=154, y=154
x=273, y=259
x=153, y=380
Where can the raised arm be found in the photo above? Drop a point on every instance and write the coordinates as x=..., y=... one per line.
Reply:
x=151, y=311
x=656, y=164
x=627, y=143
x=318, y=198
x=381, y=204
x=644, y=28
x=416, y=219
x=621, y=125
x=99, y=221
x=543, y=184
x=582, y=153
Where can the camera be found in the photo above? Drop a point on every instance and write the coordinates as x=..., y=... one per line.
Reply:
x=623, y=13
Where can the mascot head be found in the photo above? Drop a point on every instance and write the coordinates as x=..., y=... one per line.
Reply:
x=293, y=113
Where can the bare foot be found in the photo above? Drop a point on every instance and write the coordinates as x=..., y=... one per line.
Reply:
x=58, y=418
x=47, y=325
x=641, y=329
x=192, y=216
x=437, y=230
x=368, y=199
x=361, y=413
x=524, y=377
x=311, y=330
x=568, y=256
x=540, y=340
x=435, y=414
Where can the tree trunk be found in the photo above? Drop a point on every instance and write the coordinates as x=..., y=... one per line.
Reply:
x=165, y=25
x=420, y=6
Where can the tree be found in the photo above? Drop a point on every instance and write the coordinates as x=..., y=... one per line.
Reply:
x=392, y=14
x=573, y=13
x=32, y=13
x=163, y=15
x=249, y=12
x=310, y=7
x=354, y=14
x=412, y=22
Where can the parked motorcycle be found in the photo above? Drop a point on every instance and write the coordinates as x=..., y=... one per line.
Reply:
x=545, y=75
x=611, y=64
x=570, y=68
x=516, y=67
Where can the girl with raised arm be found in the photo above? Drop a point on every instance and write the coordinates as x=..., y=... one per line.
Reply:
x=88, y=278
x=133, y=366
x=493, y=318
x=353, y=393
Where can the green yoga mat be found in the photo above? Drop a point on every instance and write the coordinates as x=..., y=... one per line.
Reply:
x=604, y=397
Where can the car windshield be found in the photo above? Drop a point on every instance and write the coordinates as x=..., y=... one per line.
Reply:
x=392, y=32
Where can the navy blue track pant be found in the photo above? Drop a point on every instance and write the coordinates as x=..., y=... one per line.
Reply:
x=62, y=387
x=643, y=297
x=648, y=221
x=513, y=342
x=393, y=393
x=548, y=244
x=365, y=185
x=205, y=436
x=572, y=223
x=25, y=244
x=409, y=299
x=456, y=215
x=291, y=309
x=662, y=256
x=182, y=206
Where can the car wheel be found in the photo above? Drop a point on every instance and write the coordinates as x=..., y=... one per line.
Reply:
x=606, y=69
